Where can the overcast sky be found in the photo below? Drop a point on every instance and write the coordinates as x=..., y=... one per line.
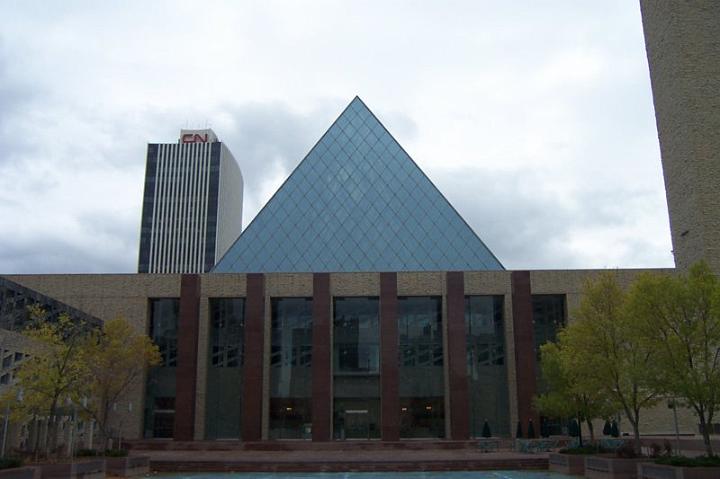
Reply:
x=534, y=118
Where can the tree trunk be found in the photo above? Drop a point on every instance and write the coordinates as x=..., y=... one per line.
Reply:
x=46, y=438
x=38, y=432
x=636, y=433
x=592, y=431
x=705, y=427
x=580, y=431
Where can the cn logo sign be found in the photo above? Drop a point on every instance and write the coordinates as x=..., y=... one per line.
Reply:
x=194, y=138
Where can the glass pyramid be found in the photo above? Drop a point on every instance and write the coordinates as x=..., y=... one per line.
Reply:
x=357, y=202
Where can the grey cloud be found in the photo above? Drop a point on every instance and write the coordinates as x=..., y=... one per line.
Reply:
x=528, y=231
x=55, y=255
x=14, y=98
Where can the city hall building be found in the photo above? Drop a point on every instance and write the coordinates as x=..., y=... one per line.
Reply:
x=358, y=304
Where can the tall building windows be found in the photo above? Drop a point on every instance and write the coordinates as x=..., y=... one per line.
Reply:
x=223, y=399
x=421, y=371
x=160, y=390
x=487, y=373
x=548, y=318
x=291, y=368
x=356, y=368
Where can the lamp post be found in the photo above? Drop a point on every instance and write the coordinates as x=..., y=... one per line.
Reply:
x=672, y=404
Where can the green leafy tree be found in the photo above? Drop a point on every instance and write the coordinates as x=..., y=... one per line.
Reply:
x=50, y=377
x=116, y=356
x=680, y=316
x=569, y=392
x=609, y=351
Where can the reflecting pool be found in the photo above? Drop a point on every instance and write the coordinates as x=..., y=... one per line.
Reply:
x=375, y=475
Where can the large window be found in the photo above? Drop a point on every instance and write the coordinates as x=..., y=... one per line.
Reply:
x=487, y=373
x=223, y=400
x=291, y=368
x=421, y=371
x=160, y=390
x=548, y=318
x=356, y=368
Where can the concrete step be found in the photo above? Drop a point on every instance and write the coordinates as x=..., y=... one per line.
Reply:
x=170, y=445
x=539, y=463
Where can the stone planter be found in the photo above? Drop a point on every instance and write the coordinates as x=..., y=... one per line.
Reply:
x=611, y=467
x=20, y=473
x=567, y=463
x=649, y=470
x=128, y=466
x=94, y=469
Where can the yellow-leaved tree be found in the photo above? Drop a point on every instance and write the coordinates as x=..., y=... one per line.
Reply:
x=610, y=352
x=569, y=392
x=50, y=377
x=680, y=320
x=116, y=356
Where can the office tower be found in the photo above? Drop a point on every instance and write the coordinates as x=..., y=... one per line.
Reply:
x=192, y=205
x=684, y=57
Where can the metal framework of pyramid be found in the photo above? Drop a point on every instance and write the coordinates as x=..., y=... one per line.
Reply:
x=357, y=202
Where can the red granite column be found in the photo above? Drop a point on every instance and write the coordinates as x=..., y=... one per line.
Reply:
x=253, y=351
x=457, y=357
x=524, y=348
x=186, y=371
x=389, y=389
x=321, y=359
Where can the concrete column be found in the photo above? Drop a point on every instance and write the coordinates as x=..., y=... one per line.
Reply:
x=525, y=361
x=252, y=411
x=389, y=389
x=186, y=371
x=321, y=359
x=457, y=357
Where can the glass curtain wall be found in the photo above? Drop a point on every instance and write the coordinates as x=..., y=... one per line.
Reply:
x=549, y=316
x=421, y=371
x=356, y=368
x=223, y=403
x=291, y=368
x=160, y=390
x=487, y=373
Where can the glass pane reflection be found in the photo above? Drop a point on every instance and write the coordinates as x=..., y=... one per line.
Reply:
x=356, y=366
x=421, y=372
x=291, y=368
x=487, y=373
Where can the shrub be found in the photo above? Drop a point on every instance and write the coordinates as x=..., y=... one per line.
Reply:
x=681, y=461
x=8, y=462
x=591, y=449
x=655, y=449
x=87, y=453
x=116, y=452
x=626, y=451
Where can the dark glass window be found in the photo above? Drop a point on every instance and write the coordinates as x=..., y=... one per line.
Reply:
x=548, y=318
x=291, y=368
x=487, y=373
x=160, y=390
x=356, y=368
x=223, y=403
x=421, y=371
